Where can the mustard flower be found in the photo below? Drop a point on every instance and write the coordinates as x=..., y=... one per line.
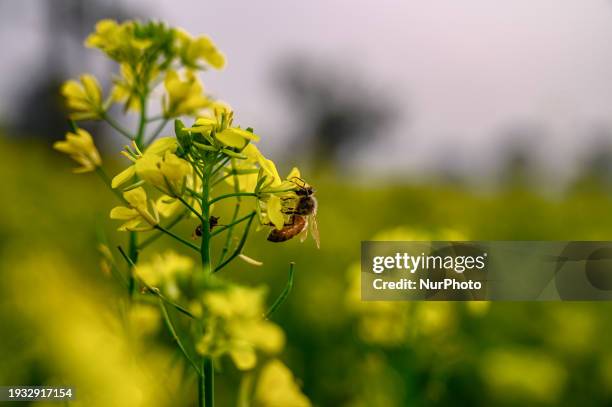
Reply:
x=280, y=198
x=137, y=215
x=243, y=172
x=164, y=271
x=83, y=98
x=221, y=126
x=167, y=206
x=184, y=97
x=274, y=210
x=246, y=172
x=81, y=148
x=118, y=41
x=235, y=326
x=276, y=387
x=144, y=319
x=126, y=88
x=268, y=166
x=157, y=149
x=168, y=173
x=192, y=50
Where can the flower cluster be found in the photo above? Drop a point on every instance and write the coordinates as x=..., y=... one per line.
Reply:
x=235, y=318
x=194, y=173
x=81, y=148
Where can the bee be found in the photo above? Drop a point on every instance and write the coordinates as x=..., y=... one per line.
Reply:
x=303, y=216
x=213, y=221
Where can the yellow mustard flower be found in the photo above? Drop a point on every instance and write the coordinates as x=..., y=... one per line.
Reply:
x=277, y=387
x=164, y=271
x=168, y=173
x=275, y=211
x=380, y=323
x=192, y=50
x=243, y=172
x=184, y=97
x=279, y=196
x=137, y=216
x=167, y=206
x=126, y=88
x=221, y=125
x=157, y=149
x=81, y=148
x=236, y=326
x=144, y=319
x=118, y=40
x=84, y=98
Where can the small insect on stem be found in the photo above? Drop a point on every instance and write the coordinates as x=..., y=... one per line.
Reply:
x=212, y=222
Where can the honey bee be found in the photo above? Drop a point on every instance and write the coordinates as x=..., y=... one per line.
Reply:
x=303, y=217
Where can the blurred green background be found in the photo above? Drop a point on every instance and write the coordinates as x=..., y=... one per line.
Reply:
x=58, y=310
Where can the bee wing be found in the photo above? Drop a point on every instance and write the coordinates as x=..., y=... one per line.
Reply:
x=314, y=229
x=304, y=233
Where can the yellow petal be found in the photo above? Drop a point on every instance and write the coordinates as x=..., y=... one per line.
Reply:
x=274, y=210
x=167, y=206
x=72, y=89
x=161, y=145
x=243, y=356
x=294, y=173
x=123, y=213
x=123, y=176
x=270, y=168
x=277, y=387
x=267, y=336
x=136, y=197
x=235, y=137
x=92, y=88
x=253, y=153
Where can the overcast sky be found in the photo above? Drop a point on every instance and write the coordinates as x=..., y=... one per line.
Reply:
x=460, y=71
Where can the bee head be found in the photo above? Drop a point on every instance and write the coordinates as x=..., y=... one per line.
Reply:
x=303, y=188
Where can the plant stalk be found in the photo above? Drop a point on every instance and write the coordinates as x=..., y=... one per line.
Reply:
x=206, y=380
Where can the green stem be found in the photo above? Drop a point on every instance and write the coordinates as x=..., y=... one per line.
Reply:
x=223, y=178
x=240, y=245
x=228, y=238
x=192, y=209
x=107, y=181
x=156, y=132
x=115, y=125
x=284, y=294
x=143, y=120
x=209, y=382
x=221, y=165
x=156, y=118
x=133, y=256
x=201, y=390
x=175, y=336
x=193, y=193
x=206, y=382
x=205, y=246
x=233, y=194
x=234, y=223
x=154, y=290
x=178, y=238
x=156, y=236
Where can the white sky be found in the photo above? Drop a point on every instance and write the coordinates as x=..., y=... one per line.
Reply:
x=462, y=71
